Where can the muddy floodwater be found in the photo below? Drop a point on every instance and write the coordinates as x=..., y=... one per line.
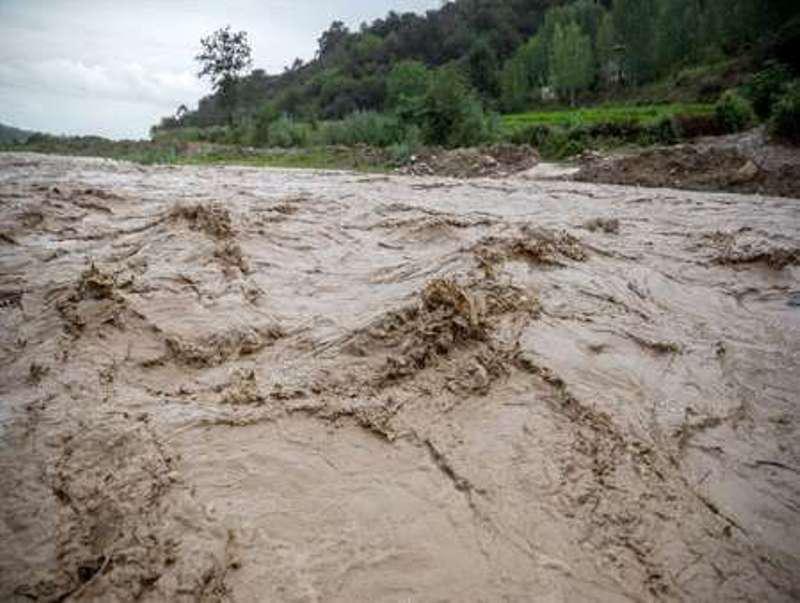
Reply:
x=233, y=384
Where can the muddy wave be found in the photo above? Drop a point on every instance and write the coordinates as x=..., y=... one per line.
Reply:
x=241, y=384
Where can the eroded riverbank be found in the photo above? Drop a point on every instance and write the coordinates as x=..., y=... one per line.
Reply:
x=239, y=384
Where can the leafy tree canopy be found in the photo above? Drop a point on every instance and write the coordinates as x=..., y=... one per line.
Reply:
x=224, y=56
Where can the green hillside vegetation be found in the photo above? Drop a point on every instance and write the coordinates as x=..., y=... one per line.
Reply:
x=500, y=56
x=176, y=152
x=140, y=151
x=560, y=75
x=643, y=114
x=9, y=134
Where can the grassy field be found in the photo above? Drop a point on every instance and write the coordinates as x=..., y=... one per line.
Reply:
x=362, y=159
x=643, y=115
x=332, y=158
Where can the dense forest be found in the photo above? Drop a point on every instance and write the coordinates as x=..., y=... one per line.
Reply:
x=513, y=55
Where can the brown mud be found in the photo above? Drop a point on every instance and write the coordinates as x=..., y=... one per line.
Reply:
x=492, y=161
x=233, y=384
x=742, y=163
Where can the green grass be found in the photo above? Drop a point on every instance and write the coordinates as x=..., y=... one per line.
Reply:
x=642, y=115
x=309, y=158
x=162, y=153
x=144, y=152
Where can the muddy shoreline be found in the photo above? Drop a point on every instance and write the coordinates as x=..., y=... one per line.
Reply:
x=225, y=383
x=746, y=163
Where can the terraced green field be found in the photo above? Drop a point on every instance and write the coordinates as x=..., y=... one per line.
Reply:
x=608, y=114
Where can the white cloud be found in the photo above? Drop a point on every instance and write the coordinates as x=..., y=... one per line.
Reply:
x=97, y=66
x=130, y=82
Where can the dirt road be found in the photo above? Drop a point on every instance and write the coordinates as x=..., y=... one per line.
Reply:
x=241, y=384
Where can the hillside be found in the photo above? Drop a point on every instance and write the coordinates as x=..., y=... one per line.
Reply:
x=10, y=134
x=511, y=51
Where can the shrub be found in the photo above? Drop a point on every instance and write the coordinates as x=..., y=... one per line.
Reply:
x=623, y=130
x=362, y=127
x=562, y=144
x=785, y=123
x=239, y=134
x=400, y=153
x=375, y=129
x=216, y=134
x=733, y=112
x=451, y=114
x=553, y=142
x=285, y=132
x=692, y=126
x=472, y=126
x=665, y=131
x=407, y=81
x=765, y=88
x=534, y=135
x=259, y=129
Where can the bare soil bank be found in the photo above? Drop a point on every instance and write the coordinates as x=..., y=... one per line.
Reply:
x=241, y=384
x=745, y=163
x=493, y=161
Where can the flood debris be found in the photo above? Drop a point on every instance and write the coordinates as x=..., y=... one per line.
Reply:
x=212, y=219
x=95, y=300
x=745, y=247
x=216, y=222
x=242, y=388
x=215, y=348
x=607, y=225
x=449, y=315
x=534, y=245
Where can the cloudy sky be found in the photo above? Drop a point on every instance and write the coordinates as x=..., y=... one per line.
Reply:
x=114, y=67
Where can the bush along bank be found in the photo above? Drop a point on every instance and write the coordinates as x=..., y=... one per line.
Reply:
x=441, y=126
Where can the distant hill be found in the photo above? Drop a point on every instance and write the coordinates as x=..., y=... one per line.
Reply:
x=506, y=49
x=11, y=134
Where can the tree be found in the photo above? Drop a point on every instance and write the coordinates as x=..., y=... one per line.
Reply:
x=589, y=15
x=332, y=40
x=680, y=31
x=526, y=71
x=537, y=60
x=405, y=86
x=482, y=63
x=223, y=57
x=635, y=25
x=451, y=114
x=514, y=84
x=606, y=51
x=571, y=60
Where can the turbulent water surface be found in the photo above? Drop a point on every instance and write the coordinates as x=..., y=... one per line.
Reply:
x=242, y=384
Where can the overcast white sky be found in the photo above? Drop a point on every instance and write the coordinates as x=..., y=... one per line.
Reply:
x=115, y=67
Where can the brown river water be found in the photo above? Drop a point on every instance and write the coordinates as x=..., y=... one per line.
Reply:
x=235, y=384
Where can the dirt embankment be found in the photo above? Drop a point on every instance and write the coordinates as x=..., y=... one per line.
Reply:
x=494, y=161
x=238, y=384
x=745, y=163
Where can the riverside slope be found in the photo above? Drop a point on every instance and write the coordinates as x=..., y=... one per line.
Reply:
x=223, y=383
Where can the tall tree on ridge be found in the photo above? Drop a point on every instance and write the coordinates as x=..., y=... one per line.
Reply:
x=223, y=57
x=634, y=23
x=571, y=63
